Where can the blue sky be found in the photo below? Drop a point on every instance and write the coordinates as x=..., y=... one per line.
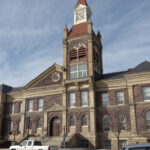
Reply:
x=31, y=33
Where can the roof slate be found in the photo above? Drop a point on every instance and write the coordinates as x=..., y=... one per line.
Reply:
x=78, y=29
x=82, y=2
x=143, y=67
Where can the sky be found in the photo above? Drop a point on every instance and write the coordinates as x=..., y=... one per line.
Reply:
x=31, y=33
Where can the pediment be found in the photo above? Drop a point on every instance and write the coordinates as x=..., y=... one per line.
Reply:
x=55, y=107
x=52, y=76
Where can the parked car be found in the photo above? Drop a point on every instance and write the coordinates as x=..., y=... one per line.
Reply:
x=137, y=147
x=32, y=145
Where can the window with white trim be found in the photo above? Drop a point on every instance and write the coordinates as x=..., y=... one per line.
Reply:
x=72, y=99
x=120, y=98
x=85, y=121
x=11, y=127
x=72, y=121
x=147, y=117
x=12, y=108
x=107, y=144
x=105, y=99
x=40, y=123
x=40, y=104
x=84, y=98
x=122, y=122
x=106, y=123
x=122, y=143
x=78, y=71
x=19, y=127
x=146, y=93
x=30, y=107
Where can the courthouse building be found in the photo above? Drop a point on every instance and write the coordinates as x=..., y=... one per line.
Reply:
x=77, y=101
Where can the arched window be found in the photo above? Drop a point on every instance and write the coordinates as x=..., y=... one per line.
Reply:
x=147, y=117
x=40, y=123
x=85, y=121
x=72, y=121
x=106, y=123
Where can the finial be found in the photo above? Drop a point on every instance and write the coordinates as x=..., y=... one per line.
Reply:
x=98, y=34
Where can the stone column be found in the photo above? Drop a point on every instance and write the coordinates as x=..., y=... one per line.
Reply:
x=92, y=116
x=64, y=115
x=45, y=123
x=90, y=49
x=132, y=110
x=23, y=117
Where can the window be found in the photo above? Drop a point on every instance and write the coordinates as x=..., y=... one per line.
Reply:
x=120, y=98
x=40, y=123
x=106, y=123
x=29, y=143
x=19, y=127
x=107, y=144
x=20, y=107
x=24, y=143
x=30, y=108
x=73, y=72
x=148, y=119
x=122, y=143
x=40, y=104
x=72, y=99
x=146, y=93
x=85, y=121
x=84, y=98
x=82, y=70
x=122, y=122
x=37, y=143
x=11, y=128
x=72, y=121
x=78, y=71
x=12, y=108
x=105, y=99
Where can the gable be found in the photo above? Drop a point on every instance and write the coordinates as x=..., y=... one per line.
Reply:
x=52, y=76
x=55, y=107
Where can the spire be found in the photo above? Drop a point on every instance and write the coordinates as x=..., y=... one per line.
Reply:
x=82, y=2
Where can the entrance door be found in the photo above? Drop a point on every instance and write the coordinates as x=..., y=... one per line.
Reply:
x=55, y=127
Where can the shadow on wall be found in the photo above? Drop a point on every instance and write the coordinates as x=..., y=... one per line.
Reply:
x=78, y=141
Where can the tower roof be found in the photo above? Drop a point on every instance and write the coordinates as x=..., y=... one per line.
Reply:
x=82, y=2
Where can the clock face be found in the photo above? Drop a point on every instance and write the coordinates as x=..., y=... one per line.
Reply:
x=80, y=15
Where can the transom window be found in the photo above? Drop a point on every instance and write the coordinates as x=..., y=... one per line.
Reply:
x=40, y=104
x=72, y=99
x=146, y=93
x=105, y=99
x=30, y=107
x=78, y=71
x=106, y=123
x=148, y=119
x=120, y=98
x=84, y=98
x=72, y=121
x=85, y=121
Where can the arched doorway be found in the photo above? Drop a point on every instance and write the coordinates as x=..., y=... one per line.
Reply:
x=55, y=127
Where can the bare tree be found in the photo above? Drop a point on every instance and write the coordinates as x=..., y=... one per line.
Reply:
x=118, y=121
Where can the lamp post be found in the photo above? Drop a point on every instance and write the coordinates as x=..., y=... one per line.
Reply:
x=64, y=142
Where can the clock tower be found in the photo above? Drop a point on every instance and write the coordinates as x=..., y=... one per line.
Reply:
x=82, y=12
x=82, y=46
